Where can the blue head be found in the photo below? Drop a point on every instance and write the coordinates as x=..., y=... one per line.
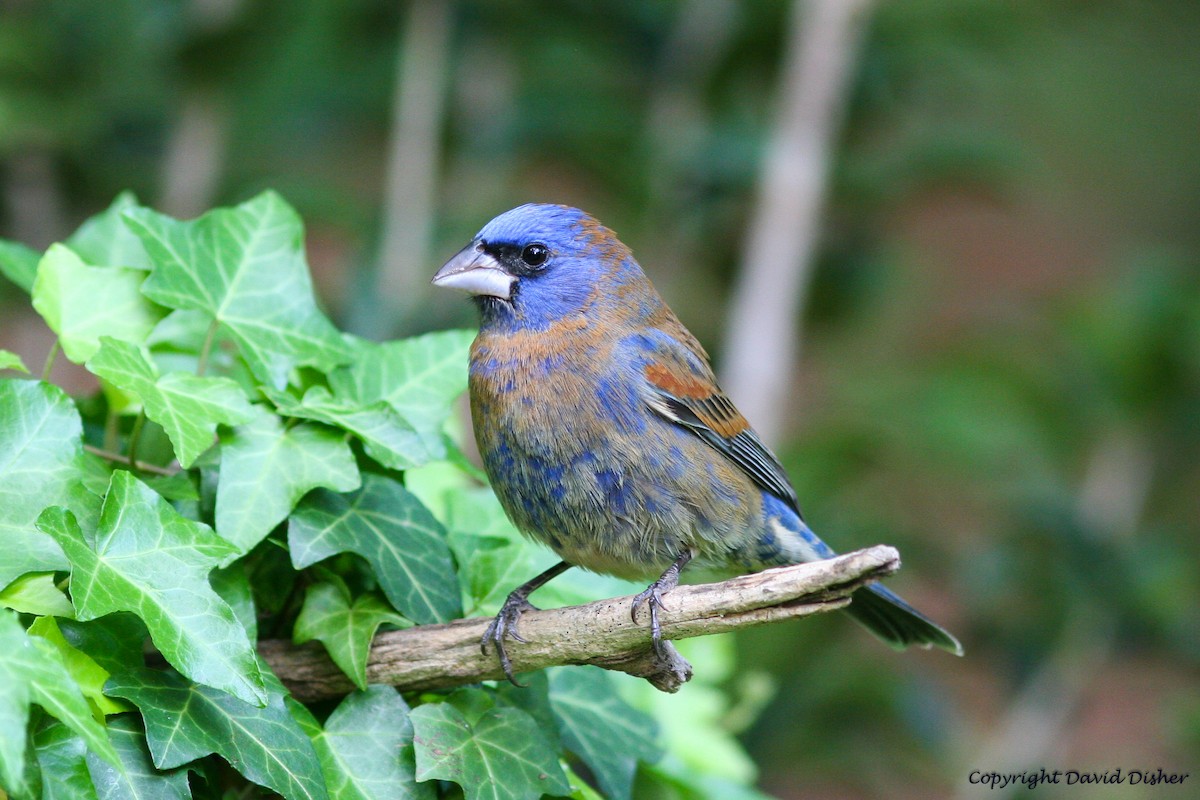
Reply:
x=538, y=264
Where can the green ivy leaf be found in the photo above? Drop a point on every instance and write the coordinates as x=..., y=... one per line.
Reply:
x=366, y=748
x=579, y=788
x=419, y=377
x=491, y=567
x=40, y=439
x=12, y=361
x=233, y=585
x=148, y=559
x=245, y=268
x=345, y=628
x=266, y=468
x=173, y=487
x=388, y=438
x=87, y=674
x=532, y=697
x=492, y=752
x=136, y=777
x=19, y=263
x=188, y=407
x=114, y=641
x=106, y=240
x=493, y=557
x=608, y=734
x=186, y=721
x=81, y=303
x=388, y=526
x=62, y=757
x=36, y=593
x=32, y=672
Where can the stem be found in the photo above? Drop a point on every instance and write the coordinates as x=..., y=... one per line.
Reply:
x=110, y=430
x=202, y=363
x=50, y=357
x=109, y=455
x=134, y=436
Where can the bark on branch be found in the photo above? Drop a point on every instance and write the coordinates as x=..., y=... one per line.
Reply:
x=600, y=633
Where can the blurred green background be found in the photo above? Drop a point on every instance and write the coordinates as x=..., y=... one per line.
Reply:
x=1000, y=368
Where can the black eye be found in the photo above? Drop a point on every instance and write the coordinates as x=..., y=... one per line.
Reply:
x=535, y=254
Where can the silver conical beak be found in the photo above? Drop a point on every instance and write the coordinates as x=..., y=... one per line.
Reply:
x=472, y=270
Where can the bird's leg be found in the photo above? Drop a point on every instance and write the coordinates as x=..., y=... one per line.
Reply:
x=505, y=624
x=652, y=597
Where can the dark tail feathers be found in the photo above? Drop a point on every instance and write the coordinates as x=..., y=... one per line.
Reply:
x=894, y=621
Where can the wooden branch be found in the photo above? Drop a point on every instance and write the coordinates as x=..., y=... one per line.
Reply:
x=600, y=633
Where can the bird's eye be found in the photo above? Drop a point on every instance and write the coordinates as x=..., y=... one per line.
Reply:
x=535, y=255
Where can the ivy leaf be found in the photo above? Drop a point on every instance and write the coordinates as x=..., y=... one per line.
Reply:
x=105, y=239
x=137, y=777
x=580, y=790
x=40, y=443
x=266, y=469
x=114, y=641
x=492, y=555
x=232, y=583
x=388, y=526
x=87, y=674
x=366, y=748
x=345, y=628
x=492, y=752
x=81, y=303
x=188, y=407
x=186, y=721
x=388, y=438
x=533, y=697
x=62, y=758
x=148, y=559
x=9, y=360
x=419, y=377
x=491, y=567
x=19, y=263
x=244, y=267
x=36, y=593
x=609, y=735
x=32, y=672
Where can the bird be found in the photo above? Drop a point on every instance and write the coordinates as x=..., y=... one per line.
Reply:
x=605, y=435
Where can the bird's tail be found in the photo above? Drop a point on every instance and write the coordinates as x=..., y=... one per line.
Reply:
x=894, y=621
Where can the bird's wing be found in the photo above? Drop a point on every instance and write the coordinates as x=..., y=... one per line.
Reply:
x=682, y=389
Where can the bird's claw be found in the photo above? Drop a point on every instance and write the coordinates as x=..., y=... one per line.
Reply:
x=652, y=597
x=504, y=626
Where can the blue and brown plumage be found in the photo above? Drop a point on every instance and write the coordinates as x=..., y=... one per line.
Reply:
x=605, y=434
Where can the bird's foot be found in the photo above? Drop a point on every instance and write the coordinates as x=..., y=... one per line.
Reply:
x=504, y=626
x=652, y=597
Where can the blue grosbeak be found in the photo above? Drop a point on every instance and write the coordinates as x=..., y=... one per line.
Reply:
x=605, y=434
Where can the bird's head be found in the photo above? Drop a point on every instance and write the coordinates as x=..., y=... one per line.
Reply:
x=538, y=264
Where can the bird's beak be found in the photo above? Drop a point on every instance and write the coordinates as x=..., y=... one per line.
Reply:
x=474, y=271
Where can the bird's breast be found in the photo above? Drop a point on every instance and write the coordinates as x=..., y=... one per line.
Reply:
x=579, y=461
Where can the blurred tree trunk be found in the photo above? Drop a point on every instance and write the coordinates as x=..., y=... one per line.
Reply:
x=414, y=152
x=32, y=199
x=763, y=337
x=195, y=155
x=197, y=147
